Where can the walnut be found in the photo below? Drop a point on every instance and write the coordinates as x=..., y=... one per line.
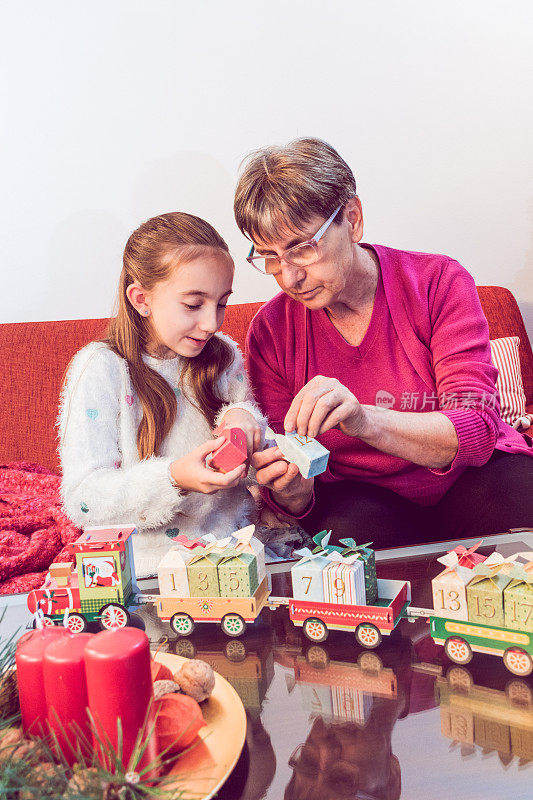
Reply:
x=196, y=678
x=165, y=687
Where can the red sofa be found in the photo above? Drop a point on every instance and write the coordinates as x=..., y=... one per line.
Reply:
x=35, y=355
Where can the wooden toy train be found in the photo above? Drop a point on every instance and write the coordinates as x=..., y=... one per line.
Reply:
x=480, y=605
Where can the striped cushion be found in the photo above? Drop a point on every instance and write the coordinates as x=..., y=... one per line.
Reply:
x=509, y=384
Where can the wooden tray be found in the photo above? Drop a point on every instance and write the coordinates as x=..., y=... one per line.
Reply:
x=202, y=771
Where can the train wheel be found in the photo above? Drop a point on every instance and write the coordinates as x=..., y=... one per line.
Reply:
x=368, y=635
x=315, y=630
x=233, y=625
x=77, y=623
x=458, y=650
x=518, y=661
x=317, y=657
x=519, y=693
x=113, y=616
x=186, y=648
x=48, y=622
x=370, y=662
x=235, y=651
x=460, y=679
x=182, y=624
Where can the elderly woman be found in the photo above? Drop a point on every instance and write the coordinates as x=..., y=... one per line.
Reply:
x=383, y=355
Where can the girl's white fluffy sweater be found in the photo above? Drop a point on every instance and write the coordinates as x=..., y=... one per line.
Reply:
x=104, y=482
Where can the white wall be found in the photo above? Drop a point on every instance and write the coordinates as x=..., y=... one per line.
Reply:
x=115, y=111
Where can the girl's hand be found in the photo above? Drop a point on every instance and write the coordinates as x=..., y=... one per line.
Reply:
x=284, y=480
x=191, y=474
x=239, y=418
x=322, y=404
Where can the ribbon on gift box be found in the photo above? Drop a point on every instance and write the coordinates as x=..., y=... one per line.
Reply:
x=214, y=545
x=525, y=557
x=330, y=555
x=352, y=547
x=190, y=544
x=242, y=537
x=460, y=554
x=491, y=570
x=322, y=541
x=309, y=555
x=464, y=573
x=523, y=572
x=496, y=559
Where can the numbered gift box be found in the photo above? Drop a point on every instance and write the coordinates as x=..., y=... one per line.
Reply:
x=202, y=573
x=484, y=593
x=518, y=599
x=306, y=575
x=309, y=455
x=449, y=588
x=344, y=580
x=368, y=557
x=172, y=572
x=237, y=574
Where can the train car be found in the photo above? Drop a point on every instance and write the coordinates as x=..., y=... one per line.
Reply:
x=231, y=613
x=369, y=623
x=98, y=587
x=462, y=639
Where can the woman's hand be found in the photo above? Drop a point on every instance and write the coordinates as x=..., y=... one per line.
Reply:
x=191, y=474
x=322, y=404
x=239, y=418
x=289, y=489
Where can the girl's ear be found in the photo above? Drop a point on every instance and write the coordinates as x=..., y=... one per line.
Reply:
x=139, y=298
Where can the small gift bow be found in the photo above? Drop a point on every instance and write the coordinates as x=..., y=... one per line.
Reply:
x=459, y=554
x=330, y=555
x=214, y=545
x=525, y=557
x=352, y=547
x=242, y=537
x=523, y=572
x=496, y=559
x=492, y=569
x=322, y=542
x=308, y=555
x=190, y=544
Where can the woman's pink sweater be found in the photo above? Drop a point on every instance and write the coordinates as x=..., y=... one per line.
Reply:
x=426, y=349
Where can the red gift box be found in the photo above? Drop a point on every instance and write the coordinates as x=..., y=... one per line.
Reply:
x=232, y=453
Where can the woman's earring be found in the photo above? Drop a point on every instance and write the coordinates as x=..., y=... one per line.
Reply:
x=147, y=312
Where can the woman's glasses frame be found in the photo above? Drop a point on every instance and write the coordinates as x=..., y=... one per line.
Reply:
x=288, y=255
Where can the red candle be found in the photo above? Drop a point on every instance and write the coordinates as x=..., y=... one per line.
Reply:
x=65, y=688
x=119, y=685
x=29, y=661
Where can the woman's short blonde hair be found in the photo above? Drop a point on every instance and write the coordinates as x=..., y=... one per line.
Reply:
x=282, y=188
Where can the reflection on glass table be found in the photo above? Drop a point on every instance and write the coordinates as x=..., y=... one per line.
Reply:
x=487, y=718
x=336, y=721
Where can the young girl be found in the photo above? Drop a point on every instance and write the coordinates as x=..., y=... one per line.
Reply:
x=138, y=409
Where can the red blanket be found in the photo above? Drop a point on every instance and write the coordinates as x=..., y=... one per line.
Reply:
x=34, y=531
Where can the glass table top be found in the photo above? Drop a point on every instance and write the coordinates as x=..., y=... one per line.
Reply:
x=334, y=721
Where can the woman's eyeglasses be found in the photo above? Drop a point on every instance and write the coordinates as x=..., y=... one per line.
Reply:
x=301, y=255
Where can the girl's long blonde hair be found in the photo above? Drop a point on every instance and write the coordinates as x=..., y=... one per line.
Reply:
x=151, y=254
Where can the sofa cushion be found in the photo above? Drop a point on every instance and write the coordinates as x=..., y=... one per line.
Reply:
x=505, y=356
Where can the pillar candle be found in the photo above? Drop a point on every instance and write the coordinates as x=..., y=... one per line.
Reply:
x=65, y=688
x=119, y=685
x=29, y=661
